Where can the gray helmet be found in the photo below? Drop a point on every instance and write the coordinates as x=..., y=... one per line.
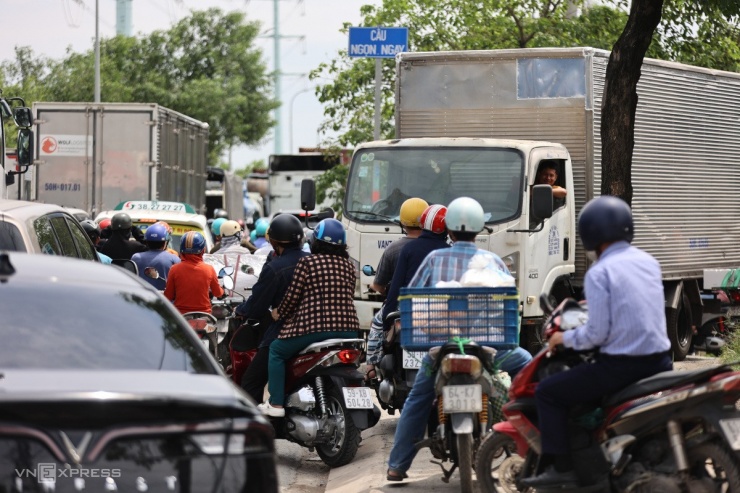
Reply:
x=120, y=221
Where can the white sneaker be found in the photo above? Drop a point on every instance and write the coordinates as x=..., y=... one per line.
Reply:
x=268, y=410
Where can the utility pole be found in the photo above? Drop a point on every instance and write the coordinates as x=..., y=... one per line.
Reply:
x=97, y=51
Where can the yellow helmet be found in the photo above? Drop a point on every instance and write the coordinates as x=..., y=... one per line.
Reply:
x=411, y=211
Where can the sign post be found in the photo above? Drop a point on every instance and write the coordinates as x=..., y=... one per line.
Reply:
x=378, y=43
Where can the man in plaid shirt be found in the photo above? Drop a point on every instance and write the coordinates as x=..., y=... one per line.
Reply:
x=464, y=220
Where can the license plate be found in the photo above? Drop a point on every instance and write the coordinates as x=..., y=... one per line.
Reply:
x=358, y=397
x=412, y=359
x=462, y=399
x=731, y=427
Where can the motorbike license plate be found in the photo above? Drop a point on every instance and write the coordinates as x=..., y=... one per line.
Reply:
x=412, y=359
x=731, y=427
x=462, y=398
x=358, y=397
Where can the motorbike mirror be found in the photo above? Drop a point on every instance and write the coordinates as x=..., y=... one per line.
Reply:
x=228, y=283
x=368, y=270
x=151, y=272
x=226, y=271
x=545, y=304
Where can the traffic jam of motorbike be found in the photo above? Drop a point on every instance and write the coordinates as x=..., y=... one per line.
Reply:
x=669, y=431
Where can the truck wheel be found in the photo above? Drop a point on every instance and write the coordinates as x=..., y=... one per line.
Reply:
x=679, y=329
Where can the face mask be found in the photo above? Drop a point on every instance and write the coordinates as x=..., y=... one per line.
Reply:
x=592, y=255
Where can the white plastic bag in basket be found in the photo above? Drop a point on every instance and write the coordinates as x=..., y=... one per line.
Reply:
x=483, y=273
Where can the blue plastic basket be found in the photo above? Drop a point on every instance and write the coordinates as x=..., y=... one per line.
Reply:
x=433, y=316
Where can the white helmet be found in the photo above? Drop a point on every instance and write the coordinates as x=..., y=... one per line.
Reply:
x=230, y=228
x=465, y=215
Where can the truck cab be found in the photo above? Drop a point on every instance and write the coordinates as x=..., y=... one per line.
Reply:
x=537, y=247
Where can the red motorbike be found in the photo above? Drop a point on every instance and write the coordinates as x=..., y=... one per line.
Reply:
x=674, y=431
x=326, y=404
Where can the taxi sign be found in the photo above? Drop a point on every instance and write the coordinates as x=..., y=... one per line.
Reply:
x=155, y=205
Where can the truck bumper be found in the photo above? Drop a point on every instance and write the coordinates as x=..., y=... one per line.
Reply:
x=366, y=310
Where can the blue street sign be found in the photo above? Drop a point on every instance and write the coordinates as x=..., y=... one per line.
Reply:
x=377, y=42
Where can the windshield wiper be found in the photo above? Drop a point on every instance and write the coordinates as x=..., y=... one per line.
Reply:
x=382, y=216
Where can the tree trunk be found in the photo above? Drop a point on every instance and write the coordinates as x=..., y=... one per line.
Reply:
x=620, y=98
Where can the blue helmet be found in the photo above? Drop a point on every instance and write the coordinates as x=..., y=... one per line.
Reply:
x=330, y=231
x=156, y=232
x=605, y=219
x=216, y=226
x=261, y=227
x=192, y=243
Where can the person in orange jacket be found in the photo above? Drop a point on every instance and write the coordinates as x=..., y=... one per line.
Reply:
x=192, y=282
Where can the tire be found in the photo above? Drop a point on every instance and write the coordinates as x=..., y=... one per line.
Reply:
x=679, y=329
x=346, y=440
x=497, y=464
x=712, y=461
x=464, y=444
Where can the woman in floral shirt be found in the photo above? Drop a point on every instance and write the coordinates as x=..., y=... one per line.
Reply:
x=318, y=305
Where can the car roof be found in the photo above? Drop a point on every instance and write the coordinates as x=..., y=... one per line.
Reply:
x=22, y=209
x=66, y=271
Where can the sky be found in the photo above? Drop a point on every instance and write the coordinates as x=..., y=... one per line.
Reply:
x=49, y=27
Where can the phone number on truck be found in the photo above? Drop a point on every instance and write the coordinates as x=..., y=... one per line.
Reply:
x=62, y=187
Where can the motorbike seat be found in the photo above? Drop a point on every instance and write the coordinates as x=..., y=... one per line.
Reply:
x=318, y=346
x=661, y=381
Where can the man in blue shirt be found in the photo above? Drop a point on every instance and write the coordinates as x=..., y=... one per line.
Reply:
x=156, y=238
x=624, y=291
x=464, y=220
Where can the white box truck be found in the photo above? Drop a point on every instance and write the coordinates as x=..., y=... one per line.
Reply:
x=95, y=156
x=481, y=123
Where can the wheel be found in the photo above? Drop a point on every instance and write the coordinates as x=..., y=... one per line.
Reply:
x=497, y=464
x=713, y=468
x=343, y=445
x=465, y=461
x=679, y=329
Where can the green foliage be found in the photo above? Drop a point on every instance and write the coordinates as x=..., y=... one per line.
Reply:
x=255, y=166
x=731, y=352
x=332, y=184
x=206, y=66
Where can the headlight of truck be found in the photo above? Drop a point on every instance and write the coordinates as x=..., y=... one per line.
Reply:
x=512, y=263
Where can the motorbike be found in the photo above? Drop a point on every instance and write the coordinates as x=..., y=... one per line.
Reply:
x=469, y=323
x=674, y=431
x=327, y=404
x=397, y=368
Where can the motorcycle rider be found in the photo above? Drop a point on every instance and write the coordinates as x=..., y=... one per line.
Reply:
x=93, y=232
x=410, y=216
x=192, y=282
x=216, y=232
x=260, y=230
x=464, y=220
x=231, y=238
x=286, y=237
x=120, y=245
x=624, y=291
x=318, y=305
x=156, y=237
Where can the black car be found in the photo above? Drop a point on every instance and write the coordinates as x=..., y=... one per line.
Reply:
x=105, y=387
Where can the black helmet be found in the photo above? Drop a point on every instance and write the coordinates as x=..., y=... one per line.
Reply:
x=120, y=221
x=605, y=219
x=92, y=229
x=286, y=228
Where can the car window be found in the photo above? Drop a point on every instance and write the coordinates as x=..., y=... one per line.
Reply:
x=94, y=327
x=84, y=246
x=45, y=235
x=69, y=249
x=11, y=238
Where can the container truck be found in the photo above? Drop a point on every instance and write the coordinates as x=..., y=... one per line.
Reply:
x=95, y=156
x=481, y=123
x=225, y=190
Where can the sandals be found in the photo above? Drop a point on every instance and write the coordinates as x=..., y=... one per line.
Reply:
x=392, y=475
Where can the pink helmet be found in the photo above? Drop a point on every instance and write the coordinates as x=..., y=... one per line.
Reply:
x=433, y=218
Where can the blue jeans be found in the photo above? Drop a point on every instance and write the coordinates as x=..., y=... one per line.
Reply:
x=413, y=421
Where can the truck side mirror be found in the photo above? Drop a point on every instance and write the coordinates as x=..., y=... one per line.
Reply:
x=23, y=116
x=308, y=194
x=24, y=150
x=541, y=202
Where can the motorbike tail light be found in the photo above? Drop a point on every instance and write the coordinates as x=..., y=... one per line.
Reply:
x=198, y=324
x=461, y=363
x=348, y=356
x=735, y=295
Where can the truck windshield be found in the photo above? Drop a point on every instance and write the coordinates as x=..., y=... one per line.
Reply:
x=380, y=180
